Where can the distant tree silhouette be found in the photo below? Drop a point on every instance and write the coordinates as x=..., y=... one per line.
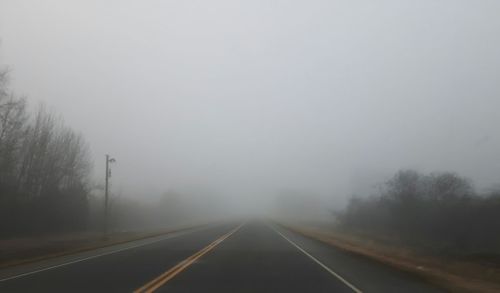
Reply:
x=439, y=211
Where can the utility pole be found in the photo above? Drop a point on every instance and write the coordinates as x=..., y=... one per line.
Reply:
x=106, y=194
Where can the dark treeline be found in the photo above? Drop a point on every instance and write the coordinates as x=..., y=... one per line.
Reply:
x=44, y=170
x=440, y=212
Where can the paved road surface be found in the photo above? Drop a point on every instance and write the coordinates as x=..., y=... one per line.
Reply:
x=234, y=257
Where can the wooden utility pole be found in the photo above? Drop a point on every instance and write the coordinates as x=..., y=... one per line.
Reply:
x=106, y=194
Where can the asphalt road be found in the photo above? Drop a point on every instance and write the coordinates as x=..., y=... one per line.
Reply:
x=251, y=257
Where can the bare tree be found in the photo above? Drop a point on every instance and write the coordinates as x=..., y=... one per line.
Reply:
x=44, y=169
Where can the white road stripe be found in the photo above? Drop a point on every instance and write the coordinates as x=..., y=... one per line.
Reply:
x=319, y=262
x=98, y=255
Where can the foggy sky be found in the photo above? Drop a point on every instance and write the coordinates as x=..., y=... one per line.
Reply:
x=247, y=98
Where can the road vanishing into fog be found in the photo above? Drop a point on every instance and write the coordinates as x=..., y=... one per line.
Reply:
x=255, y=256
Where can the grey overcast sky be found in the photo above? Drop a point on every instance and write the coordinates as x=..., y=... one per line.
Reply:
x=247, y=98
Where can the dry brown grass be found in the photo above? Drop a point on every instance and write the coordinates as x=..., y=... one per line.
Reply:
x=20, y=251
x=451, y=275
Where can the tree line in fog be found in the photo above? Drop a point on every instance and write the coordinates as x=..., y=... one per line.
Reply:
x=44, y=169
x=439, y=212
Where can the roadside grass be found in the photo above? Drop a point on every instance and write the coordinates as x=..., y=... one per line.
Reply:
x=19, y=251
x=454, y=275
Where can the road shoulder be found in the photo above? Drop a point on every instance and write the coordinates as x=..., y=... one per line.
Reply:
x=420, y=269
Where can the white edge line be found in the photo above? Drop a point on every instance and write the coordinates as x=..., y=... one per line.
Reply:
x=319, y=262
x=97, y=255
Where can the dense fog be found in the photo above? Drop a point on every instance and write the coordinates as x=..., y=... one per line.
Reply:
x=253, y=106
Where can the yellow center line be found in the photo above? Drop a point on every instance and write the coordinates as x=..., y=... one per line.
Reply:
x=168, y=275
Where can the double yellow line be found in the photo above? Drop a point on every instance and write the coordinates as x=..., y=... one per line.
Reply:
x=171, y=273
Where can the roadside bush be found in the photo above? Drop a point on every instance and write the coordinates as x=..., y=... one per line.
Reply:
x=439, y=211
